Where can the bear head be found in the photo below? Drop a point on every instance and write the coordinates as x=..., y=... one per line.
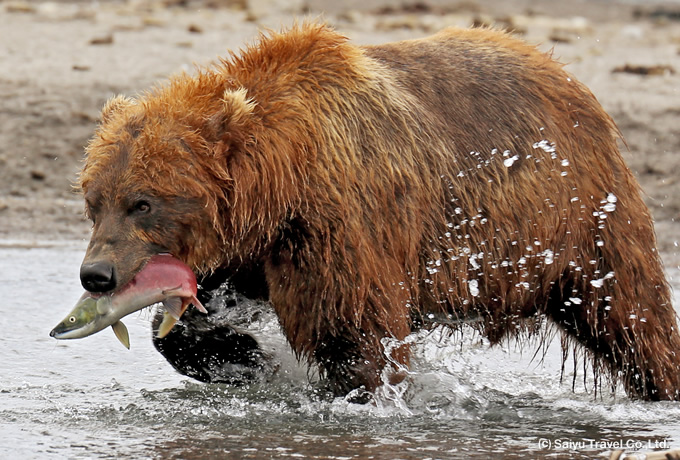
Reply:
x=162, y=175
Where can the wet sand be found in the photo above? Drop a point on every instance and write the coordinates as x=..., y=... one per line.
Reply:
x=62, y=60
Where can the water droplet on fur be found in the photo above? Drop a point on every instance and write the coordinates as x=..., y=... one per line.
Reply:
x=545, y=146
x=473, y=285
x=549, y=256
x=609, y=203
x=510, y=161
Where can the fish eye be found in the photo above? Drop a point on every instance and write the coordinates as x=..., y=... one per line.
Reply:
x=72, y=319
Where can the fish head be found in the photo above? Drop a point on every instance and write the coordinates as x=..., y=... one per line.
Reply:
x=90, y=315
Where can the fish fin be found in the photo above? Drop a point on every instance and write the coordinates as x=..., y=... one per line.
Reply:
x=166, y=325
x=173, y=296
x=174, y=306
x=121, y=333
x=197, y=303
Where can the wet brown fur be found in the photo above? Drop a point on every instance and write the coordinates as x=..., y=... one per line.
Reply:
x=464, y=173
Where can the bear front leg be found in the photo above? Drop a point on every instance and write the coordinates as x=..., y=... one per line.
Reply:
x=211, y=353
x=346, y=366
x=358, y=347
x=209, y=349
x=349, y=364
x=341, y=299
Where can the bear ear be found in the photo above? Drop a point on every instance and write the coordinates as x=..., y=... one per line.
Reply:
x=234, y=124
x=115, y=105
x=238, y=108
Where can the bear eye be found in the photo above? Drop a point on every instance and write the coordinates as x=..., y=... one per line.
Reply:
x=141, y=207
x=90, y=211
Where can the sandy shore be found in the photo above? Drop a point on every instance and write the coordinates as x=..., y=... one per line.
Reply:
x=62, y=60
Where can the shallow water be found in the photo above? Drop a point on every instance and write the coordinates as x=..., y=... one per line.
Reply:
x=92, y=398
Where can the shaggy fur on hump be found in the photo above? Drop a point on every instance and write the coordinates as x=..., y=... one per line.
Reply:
x=465, y=173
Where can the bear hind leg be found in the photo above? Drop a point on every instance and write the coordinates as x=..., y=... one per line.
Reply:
x=631, y=334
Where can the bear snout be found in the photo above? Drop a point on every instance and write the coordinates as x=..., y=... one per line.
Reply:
x=98, y=276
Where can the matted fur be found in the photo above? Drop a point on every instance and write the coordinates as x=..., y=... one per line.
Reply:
x=465, y=173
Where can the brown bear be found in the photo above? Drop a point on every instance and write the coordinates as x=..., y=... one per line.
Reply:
x=364, y=190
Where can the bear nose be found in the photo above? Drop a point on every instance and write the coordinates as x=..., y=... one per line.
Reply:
x=98, y=277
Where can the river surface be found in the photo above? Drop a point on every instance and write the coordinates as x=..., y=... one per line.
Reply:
x=91, y=398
